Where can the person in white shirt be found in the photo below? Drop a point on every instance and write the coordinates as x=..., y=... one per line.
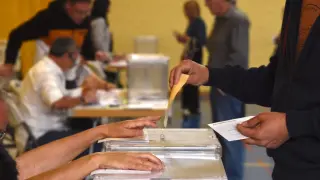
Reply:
x=44, y=96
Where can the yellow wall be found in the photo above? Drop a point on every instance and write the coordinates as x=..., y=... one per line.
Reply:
x=14, y=12
x=130, y=18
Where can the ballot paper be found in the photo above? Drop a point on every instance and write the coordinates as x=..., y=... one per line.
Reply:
x=108, y=98
x=175, y=90
x=228, y=130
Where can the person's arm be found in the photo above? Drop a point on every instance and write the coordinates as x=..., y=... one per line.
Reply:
x=53, y=95
x=82, y=167
x=238, y=54
x=98, y=30
x=201, y=33
x=55, y=154
x=252, y=86
x=60, y=152
x=30, y=30
x=303, y=123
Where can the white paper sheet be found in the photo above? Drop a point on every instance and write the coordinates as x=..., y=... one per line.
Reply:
x=228, y=130
x=111, y=97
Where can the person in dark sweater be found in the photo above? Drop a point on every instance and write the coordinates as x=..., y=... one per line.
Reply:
x=55, y=160
x=289, y=84
x=194, y=39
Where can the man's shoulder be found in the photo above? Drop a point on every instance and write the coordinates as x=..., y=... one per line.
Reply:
x=239, y=17
x=45, y=67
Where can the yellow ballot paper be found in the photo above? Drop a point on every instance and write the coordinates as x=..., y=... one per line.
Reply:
x=176, y=88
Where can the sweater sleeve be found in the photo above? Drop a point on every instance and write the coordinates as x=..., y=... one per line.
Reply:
x=99, y=35
x=252, y=86
x=32, y=29
x=304, y=123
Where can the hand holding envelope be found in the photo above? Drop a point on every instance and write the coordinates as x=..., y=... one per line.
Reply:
x=175, y=90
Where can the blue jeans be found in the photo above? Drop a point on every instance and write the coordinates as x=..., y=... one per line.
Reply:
x=225, y=107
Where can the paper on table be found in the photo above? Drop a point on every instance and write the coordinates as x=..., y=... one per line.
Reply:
x=228, y=130
x=176, y=88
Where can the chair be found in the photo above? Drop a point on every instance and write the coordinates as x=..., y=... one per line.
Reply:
x=21, y=134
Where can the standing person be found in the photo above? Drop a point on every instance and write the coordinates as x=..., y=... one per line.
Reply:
x=194, y=39
x=289, y=84
x=62, y=18
x=228, y=44
x=102, y=40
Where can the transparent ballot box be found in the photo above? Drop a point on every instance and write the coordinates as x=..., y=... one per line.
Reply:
x=147, y=77
x=187, y=154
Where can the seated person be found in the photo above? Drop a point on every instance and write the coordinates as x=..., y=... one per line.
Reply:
x=43, y=94
x=54, y=160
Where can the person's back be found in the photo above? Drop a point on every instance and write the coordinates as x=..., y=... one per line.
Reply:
x=219, y=43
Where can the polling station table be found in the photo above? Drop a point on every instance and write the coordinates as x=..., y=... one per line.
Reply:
x=105, y=108
x=193, y=154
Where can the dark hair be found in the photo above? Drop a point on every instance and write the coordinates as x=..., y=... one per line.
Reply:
x=79, y=1
x=233, y=2
x=195, y=5
x=62, y=45
x=100, y=9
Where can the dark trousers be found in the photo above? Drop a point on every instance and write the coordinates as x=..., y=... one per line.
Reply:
x=226, y=107
x=190, y=103
x=56, y=135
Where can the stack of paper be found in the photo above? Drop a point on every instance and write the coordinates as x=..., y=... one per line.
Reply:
x=109, y=98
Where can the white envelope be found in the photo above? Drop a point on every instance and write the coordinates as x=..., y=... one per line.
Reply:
x=228, y=130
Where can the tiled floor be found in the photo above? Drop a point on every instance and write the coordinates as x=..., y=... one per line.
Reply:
x=258, y=165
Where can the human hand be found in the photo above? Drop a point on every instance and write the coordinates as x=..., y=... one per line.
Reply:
x=119, y=57
x=6, y=70
x=267, y=129
x=89, y=96
x=94, y=82
x=181, y=38
x=199, y=74
x=110, y=86
x=130, y=128
x=102, y=56
x=128, y=161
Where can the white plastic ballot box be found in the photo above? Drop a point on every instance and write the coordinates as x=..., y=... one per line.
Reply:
x=146, y=44
x=193, y=154
x=147, y=77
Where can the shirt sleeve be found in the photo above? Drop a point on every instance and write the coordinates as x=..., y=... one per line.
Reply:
x=252, y=86
x=30, y=30
x=239, y=45
x=75, y=93
x=99, y=30
x=50, y=88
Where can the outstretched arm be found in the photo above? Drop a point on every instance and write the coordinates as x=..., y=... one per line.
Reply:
x=250, y=86
x=60, y=152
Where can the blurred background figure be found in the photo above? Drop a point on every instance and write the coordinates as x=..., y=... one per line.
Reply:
x=228, y=44
x=193, y=40
x=101, y=38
